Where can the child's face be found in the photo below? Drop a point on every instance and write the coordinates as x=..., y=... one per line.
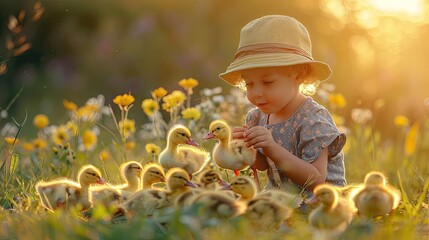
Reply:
x=270, y=89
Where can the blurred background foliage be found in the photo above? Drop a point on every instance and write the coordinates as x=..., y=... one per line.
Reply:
x=80, y=49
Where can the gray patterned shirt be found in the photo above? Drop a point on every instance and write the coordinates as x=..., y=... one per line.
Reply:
x=310, y=130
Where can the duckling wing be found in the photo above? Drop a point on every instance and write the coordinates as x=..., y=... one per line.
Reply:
x=191, y=158
x=54, y=194
x=236, y=157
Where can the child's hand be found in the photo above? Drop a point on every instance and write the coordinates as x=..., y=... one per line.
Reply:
x=259, y=137
x=238, y=132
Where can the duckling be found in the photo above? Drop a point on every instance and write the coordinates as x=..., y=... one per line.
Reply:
x=146, y=201
x=152, y=173
x=108, y=196
x=230, y=153
x=244, y=186
x=376, y=198
x=211, y=179
x=333, y=214
x=266, y=213
x=182, y=151
x=65, y=193
x=217, y=205
x=287, y=199
x=131, y=172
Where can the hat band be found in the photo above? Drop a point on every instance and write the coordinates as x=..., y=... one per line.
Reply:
x=270, y=48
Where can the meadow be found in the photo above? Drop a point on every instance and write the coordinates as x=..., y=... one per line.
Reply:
x=103, y=132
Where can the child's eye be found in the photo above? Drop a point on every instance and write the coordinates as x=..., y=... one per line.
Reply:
x=249, y=84
x=268, y=82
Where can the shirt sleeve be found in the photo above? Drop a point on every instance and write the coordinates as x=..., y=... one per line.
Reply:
x=317, y=133
x=252, y=118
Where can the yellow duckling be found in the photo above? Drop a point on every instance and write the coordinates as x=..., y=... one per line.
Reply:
x=376, y=198
x=131, y=172
x=64, y=193
x=146, y=201
x=106, y=195
x=215, y=204
x=152, y=173
x=266, y=213
x=211, y=179
x=287, y=199
x=244, y=186
x=333, y=214
x=182, y=151
x=229, y=153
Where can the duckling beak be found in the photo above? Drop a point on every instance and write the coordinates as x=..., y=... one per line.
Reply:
x=192, y=142
x=101, y=181
x=191, y=184
x=223, y=183
x=227, y=186
x=209, y=135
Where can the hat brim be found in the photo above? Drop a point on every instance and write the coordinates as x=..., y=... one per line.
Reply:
x=319, y=70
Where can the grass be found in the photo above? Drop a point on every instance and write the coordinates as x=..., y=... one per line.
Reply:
x=94, y=134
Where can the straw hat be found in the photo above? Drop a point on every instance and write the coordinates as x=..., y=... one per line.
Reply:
x=272, y=41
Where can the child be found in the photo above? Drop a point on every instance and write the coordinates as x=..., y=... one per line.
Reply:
x=297, y=139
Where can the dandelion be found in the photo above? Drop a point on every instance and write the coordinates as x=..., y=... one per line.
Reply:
x=40, y=121
x=159, y=93
x=89, y=140
x=173, y=100
x=337, y=100
x=27, y=146
x=127, y=127
x=361, y=116
x=152, y=148
x=104, y=155
x=40, y=143
x=411, y=139
x=150, y=106
x=401, y=121
x=191, y=113
x=11, y=140
x=188, y=84
x=69, y=105
x=130, y=145
x=124, y=101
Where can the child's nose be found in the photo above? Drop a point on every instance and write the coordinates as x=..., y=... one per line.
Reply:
x=258, y=91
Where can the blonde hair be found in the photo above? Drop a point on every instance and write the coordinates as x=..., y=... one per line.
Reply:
x=308, y=86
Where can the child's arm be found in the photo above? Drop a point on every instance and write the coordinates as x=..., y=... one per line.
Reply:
x=260, y=163
x=298, y=170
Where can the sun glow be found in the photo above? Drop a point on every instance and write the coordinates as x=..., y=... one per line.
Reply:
x=411, y=8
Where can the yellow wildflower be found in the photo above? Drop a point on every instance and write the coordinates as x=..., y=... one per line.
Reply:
x=337, y=100
x=40, y=143
x=40, y=121
x=105, y=155
x=28, y=146
x=159, y=93
x=87, y=113
x=69, y=105
x=60, y=135
x=89, y=140
x=72, y=127
x=175, y=99
x=127, y=127
x=11, y=140
x=124, y=100
x=150, y=106
x=188, y=84
x=130, y=145
x=401, y=121
x=152, y=148
x=411, y=139
x=191, y=113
